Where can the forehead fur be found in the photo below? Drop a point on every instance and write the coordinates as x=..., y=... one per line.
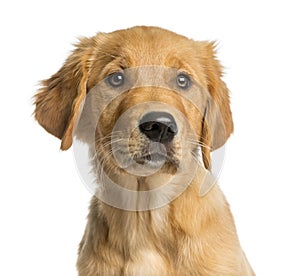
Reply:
x=142, y=46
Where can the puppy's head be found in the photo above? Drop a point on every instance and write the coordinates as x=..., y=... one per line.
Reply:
x=151, y=97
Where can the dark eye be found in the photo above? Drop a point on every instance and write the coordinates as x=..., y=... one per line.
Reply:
x=116, y=79
x=183, y=81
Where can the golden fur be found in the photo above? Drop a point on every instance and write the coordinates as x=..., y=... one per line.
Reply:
x=192, y=235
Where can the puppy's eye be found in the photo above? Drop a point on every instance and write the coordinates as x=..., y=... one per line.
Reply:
x=116, y=79
x=183, y=81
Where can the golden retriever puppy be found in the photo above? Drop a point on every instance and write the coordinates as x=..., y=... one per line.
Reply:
x=151, y=107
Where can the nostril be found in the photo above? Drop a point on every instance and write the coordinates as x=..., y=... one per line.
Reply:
x=146, y=126
x=153, y=130
x=155, y=126
x=149, y=126
x=172, y=128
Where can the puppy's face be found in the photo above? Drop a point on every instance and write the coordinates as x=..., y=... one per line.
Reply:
x=152, y=98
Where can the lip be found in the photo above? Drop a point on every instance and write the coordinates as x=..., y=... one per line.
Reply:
x=155, y=159
x=151, y=158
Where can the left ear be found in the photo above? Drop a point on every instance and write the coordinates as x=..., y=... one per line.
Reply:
x=59, y=101
x=217, y=122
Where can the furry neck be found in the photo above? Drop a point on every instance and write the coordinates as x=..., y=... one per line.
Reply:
x=129, y=230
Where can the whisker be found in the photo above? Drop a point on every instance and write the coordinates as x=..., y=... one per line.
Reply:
x=111, y=142
x=99, y=166
x=102, y=158
x=109, y=136
x=198, y=143
x=196, y=158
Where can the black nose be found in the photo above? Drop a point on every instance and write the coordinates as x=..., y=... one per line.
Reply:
x=159, y=126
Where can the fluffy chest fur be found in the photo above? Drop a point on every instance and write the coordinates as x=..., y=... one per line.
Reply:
x=186, y=237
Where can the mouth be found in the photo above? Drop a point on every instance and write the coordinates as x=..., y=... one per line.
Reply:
x=150, y=158
x=156, y=159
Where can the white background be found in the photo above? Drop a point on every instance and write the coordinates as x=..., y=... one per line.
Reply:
x=43, y=203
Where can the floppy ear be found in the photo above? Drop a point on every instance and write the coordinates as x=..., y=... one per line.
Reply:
x=217, y=122
x=59, y=101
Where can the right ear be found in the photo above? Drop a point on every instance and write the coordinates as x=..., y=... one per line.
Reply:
x=59, y=101
x=217, y=124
